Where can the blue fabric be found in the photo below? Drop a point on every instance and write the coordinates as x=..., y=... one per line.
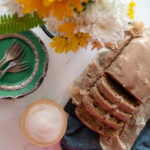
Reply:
x=79, y=137
x=143, y=140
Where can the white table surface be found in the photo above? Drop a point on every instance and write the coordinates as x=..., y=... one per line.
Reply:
x=63, y=69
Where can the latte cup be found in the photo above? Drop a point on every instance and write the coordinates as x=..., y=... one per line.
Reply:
x=43, y=123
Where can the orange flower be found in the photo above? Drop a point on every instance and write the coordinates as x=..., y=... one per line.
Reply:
x=97, y=45
x=67, y=27
x=59, y=8
x=38, y=5
x=77, y=4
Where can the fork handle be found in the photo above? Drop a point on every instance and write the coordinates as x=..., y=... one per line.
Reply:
x=2, y=63
x=2, y=73
x=2, y=60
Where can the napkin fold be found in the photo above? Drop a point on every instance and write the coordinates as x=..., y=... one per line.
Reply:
x=143, y=140
x=79, y=137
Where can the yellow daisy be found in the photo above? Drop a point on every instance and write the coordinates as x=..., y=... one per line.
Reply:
x=70, y=42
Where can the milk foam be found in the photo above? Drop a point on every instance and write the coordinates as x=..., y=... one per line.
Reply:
x=44, y=123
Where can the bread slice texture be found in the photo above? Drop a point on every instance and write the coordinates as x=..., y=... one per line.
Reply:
x=101, y=115
x=91, y=122
x=108, y=106
x=101, y=100
x=117, y=95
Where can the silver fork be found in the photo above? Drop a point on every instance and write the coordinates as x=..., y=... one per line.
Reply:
x=16, y=51
x=7, y=52
x=21, y=66
x=18, y=68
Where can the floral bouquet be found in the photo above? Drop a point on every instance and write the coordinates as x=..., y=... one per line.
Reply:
x=74, y=22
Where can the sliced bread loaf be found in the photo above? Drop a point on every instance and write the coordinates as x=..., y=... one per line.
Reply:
x=101, y=100
x=92, y=123
x=108, y=106
x=118, y=95
x=131, y=68
x=101, y=115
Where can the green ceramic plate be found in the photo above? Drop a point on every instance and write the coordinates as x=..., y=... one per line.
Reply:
x=15, y=85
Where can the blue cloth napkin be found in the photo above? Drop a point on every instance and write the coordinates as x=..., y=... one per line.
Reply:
x=79, y=137
x=143, y=140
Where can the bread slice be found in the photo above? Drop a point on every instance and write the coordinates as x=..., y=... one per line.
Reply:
x=101, y=115
x=101, y=100
x=108, y=106
x=117, y=95
x=92, y=123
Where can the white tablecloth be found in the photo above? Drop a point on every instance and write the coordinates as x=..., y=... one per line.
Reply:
x=63, y=69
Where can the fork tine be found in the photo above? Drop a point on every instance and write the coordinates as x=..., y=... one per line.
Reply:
x=21, y=56
x=12, y=45
x=19, y=52
x=16, y=48
x=11, y=48
x=17, y=43
x=24, y=68
x=17, y=69
x=22, y=63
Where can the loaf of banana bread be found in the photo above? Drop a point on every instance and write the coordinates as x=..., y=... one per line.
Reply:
x=114, y=88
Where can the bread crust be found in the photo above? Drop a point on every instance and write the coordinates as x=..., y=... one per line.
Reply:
x=103, y=117
x=108, y=106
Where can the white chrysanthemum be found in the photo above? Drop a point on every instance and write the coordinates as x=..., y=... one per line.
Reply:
x=53, y=23
x=10, y=7
x=105, y=20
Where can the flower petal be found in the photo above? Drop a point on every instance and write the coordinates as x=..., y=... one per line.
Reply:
x=67, y=27
x=77, y=4
x=68, y=9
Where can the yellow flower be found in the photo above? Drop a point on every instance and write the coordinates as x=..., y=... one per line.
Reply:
x=131, y=9
x=59, y=8
x=70, y=42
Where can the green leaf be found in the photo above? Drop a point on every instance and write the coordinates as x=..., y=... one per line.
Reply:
x=10, y=24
